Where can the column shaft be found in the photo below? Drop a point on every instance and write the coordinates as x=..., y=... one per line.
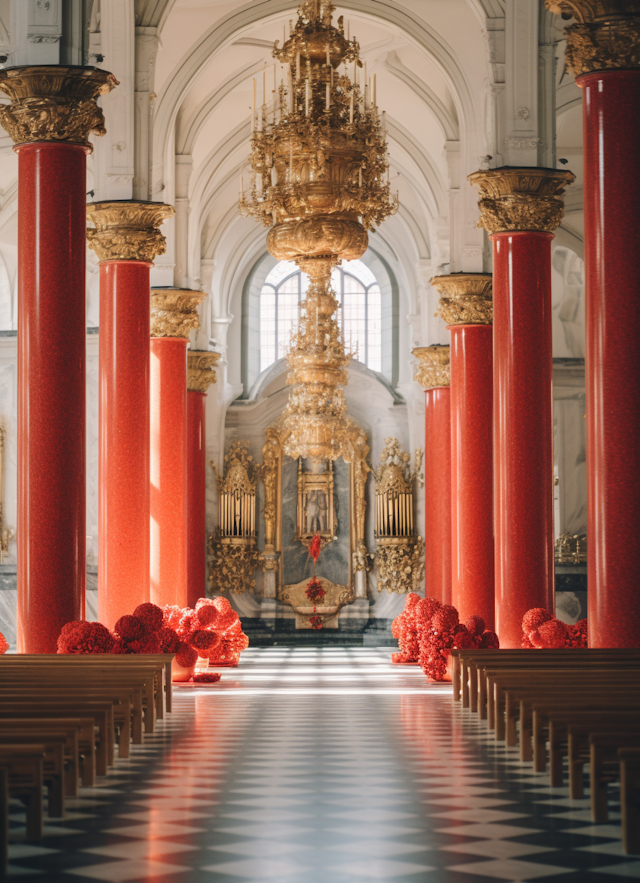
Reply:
x=123, y=570
x=472, y=588
x=196, y=497
x=51, y=391
x=437, y=489
x=523, y=427
x=169, y=471
x=612, y=257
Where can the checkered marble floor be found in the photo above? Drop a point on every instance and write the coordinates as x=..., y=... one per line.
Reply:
x=317, y=765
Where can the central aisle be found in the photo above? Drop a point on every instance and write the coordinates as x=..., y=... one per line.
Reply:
x=323, y=766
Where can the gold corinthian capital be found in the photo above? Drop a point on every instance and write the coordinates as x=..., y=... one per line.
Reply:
x=201, y=370
x=514, y=200
x=126, y=230
x=433, y=368
x=54, y=103
x=174, y=311
x=605, y=35
x=465, y=298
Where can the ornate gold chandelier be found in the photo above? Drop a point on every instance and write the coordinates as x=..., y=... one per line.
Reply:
x=320, y=180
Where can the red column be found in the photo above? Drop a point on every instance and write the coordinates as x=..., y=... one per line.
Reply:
x=433, y=374
x=200, y=375
x=173, y=316
x=51, y=340
x=527, y=203
x=612, y=257
x=602, y=53
x=466, y=306
x=126, y=233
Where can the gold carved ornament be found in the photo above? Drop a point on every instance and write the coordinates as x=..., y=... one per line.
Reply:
x=127, y=231
x=605, y=35
x=54, y=103
x=571, y=548
x=234, y=556
x=201, y=370
x=433, y=366
x=399, y=552
x=174, y=311
x=513, y=200
x=319, y=181
x=465, y=298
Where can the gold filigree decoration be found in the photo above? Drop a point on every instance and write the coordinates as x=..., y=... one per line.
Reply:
x=201, y=370
x=234, y=555
x=319, y=180
x=401, y=565
x=173, y=311
x=127, y=231
x=232, y=566
x=400, y=569
x=512, y=200
x=433, y=366
x=571, y=548
x=54, y=103
x=606, y=35
x=465, y=298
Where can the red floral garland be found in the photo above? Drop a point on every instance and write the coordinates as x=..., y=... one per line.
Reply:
x=314, y=591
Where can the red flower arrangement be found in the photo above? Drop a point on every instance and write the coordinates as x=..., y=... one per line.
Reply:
x=315, y=592
x=427, y=631
x=541, y=630
x=315, y=622
x=212, y=631
x=4, y=644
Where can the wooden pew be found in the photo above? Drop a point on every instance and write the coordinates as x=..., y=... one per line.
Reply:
x=4, y=819
x=25, y=765
x=629, y=759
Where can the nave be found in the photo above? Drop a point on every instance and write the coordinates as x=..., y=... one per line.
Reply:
x=323, y=764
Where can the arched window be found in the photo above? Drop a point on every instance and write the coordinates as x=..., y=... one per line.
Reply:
x=360, y=316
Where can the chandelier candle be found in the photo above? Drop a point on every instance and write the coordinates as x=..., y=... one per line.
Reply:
x=322, y=170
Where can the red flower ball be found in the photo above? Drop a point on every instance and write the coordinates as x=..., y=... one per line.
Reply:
x=129, y=628
x=410, y=600
x=227, y=620
x=150, y=644
x=206, y=677
x=186, y=656
x=206, y=614
x=489, y=641
x=534, y=618
x=4, y=644
x=552, y=634
x=464, y=641
x=203, y=640
x=169, y=640
x=424, y=610
x=151, y=616
x=222, y=605
x=476, y=625
x=85, y=637
x=445, y=618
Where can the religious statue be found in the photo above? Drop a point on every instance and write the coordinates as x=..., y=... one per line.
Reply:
x=316, y=513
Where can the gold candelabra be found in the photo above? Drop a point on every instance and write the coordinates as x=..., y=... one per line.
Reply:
x=319, y=181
